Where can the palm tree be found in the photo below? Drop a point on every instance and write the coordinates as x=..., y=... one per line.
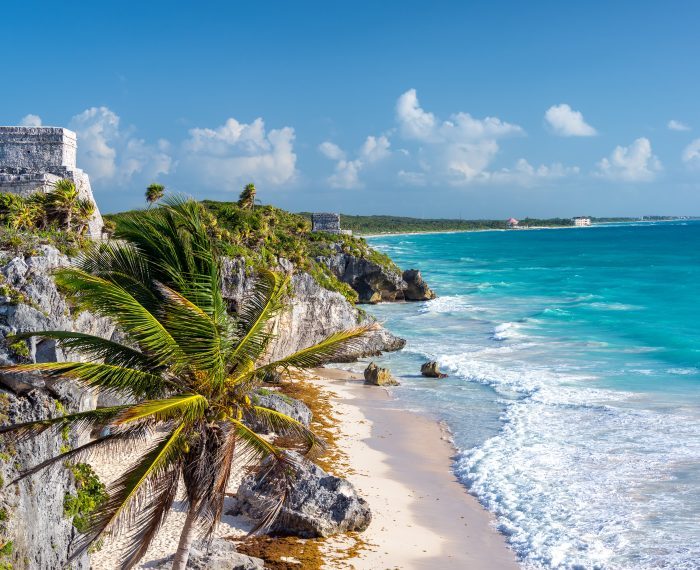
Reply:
x=190, y=366
x=61, y=201
x=154, y=192
x=247, y=198
x=23, y=215
x=84, y=210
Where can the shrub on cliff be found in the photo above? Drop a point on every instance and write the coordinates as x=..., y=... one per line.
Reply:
x=190, y=366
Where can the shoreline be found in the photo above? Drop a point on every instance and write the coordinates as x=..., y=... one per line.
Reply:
x=401, y=463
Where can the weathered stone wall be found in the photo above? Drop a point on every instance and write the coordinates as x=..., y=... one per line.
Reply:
x=40, y=149
x=33, y=158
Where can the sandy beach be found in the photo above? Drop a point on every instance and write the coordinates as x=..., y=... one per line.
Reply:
x=422, y=517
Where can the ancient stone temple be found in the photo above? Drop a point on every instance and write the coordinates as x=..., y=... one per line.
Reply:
x=325, y=222
x=32, y=159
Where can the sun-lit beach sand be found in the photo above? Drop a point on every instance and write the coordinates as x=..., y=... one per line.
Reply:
x=400, y=463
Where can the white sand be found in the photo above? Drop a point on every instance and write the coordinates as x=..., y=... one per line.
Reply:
x=400, y=463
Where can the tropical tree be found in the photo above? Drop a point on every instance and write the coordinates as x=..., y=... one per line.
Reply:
x=247, y=198
x=154, y=192
x=190, y=366
x=61, y=201
x=84, y=210
x=23, y=215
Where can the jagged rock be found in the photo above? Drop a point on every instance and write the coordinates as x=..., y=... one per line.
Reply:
x=432, y=370
x=295, y=409
x=373, y=282
x=319, y=505
x=220, y=554
x=311, y=315
x=416, y=288
x=379, y=376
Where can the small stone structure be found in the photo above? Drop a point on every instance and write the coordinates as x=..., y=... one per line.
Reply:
x=327, y=222
x=32, y=159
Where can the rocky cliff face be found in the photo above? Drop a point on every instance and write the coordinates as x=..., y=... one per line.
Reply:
x=376, y=283
x=40, y=533
x=313, y=314
x=30, y=301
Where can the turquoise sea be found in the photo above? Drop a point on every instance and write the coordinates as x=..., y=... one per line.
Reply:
x=574, y=384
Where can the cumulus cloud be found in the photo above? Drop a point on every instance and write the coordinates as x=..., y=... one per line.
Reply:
x=458, y=150
x=566, y=122
x=691, y=154
x=108, y=152
x=30, y=121
x=674, y=125
x=633, y=163
x=235, y=153
x=347, y=172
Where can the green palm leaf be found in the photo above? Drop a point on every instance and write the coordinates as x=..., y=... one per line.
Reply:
x=184, y=407
x=108, y=378
x=282, y=424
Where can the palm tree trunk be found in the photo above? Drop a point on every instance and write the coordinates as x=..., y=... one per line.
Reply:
x=186, y=537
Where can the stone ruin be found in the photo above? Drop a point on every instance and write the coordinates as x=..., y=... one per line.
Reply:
x=326, y=222
x=32, y=159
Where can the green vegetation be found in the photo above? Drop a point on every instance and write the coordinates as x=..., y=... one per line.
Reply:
x=370, y=225
x=90, y=495
x=191, y=367
x=60, y=208
x=262, y=234
x=6, y=546
x=59, y=218
x=154, y=192
x=20, y=350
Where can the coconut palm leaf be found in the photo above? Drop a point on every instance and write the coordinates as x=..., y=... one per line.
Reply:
x=108, y=378
x=283, y=424
x=133, y=490
x=80, y=421
x=264, y=302
x=184, y=407
x=111, y=300
x=95, y=348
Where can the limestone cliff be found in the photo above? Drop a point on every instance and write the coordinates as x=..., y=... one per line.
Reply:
x=375, y=282
x=312, y=314
x=41, y=535
x=30, y=301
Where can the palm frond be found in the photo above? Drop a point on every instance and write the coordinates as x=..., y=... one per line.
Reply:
x=327, y=350
x=264, y=302
x=133, y=489
x=81, y=422
x=110, y=300
x=96, y=348
x=285, y=425
x=184, y=407
x=108, y=378
x=196, y=333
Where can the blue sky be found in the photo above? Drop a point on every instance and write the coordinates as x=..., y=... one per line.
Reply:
x=414, y=108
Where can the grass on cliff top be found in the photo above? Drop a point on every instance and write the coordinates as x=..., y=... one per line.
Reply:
x=262, y=234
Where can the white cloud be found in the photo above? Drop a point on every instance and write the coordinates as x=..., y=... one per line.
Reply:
x=691, y=154
x=236, y=153
x=677, y=125
x=524, y=174
x=375, y=148
x=30, y=121
x=107, y=152
x=634, y=163
x=457, y=151
x=331, y=150
x=347, y=172
x=414, y=121
x=566, y=122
